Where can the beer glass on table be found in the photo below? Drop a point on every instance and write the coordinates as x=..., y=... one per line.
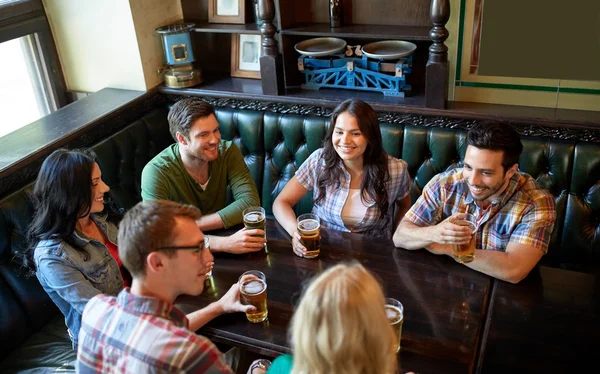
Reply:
x=255, y=218
x=464, y=253
x=207, y=247
x=309, y=228
x=395, y=314
x=253, y=291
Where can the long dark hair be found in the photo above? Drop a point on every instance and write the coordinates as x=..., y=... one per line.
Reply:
x=61, y=195
x=375, y=159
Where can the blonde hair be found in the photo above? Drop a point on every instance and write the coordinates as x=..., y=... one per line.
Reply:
x=340, y=325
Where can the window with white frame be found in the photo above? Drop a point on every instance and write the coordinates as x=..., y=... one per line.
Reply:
x=31, y=82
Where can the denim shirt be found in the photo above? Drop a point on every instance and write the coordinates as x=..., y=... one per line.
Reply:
x=69, y=280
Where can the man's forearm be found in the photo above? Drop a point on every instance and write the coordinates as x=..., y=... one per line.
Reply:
x=506, y=266
x=210, y=222
x=201, y=317
x=410, y=236
x=219, y=243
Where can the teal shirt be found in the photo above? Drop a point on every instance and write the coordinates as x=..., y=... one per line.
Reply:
x=166, y=178
x=282, y=365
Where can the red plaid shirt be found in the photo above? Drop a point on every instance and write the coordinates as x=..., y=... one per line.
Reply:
x=135, y=334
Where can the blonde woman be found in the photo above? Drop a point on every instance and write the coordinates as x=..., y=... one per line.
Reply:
x=340, y=326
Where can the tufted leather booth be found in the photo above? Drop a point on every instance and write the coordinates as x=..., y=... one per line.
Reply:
x=274, y=145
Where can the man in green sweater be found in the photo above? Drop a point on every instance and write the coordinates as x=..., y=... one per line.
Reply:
x=197, y=169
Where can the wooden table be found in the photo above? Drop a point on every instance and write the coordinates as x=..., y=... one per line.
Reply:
x=445, y=303
x=548, y=323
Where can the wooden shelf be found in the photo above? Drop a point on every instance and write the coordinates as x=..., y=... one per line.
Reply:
x=410, y=33
x=218, y=85
x=248, y=28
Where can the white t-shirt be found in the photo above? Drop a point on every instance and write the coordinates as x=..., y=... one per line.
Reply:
x=354, y=209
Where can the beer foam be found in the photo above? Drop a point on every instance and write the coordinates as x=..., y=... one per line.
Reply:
x=308, y=225
x=254, y=217
x=253, y=287
x=393, y=314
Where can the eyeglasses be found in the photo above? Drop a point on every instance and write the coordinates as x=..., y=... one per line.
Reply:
x=195, y=248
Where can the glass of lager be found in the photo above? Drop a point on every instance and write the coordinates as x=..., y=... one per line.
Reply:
x=207, y=247
x=395, y=314
x=464, y=253
x=255, y=218
x=309, y=228
x=253, y=291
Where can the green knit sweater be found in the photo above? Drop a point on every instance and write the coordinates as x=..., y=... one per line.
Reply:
x=166, y=178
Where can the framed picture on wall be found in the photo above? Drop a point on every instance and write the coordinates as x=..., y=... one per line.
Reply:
x=226, y=11
x=245, y=55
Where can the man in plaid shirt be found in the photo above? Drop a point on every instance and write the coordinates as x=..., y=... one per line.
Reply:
x=140, y=330
x=515, y=216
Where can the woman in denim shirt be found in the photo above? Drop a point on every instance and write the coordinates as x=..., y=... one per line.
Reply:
x=73, y=246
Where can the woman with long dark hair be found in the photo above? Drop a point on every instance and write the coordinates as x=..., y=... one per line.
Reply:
x=357, y=186
x=73, y=247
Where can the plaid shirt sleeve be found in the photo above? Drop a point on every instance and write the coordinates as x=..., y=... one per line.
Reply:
x=203, y=357
x=306, y=173
x=427, y=210
x=400, y=178
x=537, y=224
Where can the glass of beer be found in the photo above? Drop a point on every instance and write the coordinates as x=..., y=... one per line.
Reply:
x=309, y=228
x=464, y=253
x=255, y=218
x=207, y=247
x=395, y=314
x=253, y=291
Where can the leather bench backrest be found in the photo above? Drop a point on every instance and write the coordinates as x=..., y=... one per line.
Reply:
x=580, y=240
x=289, y=140
x=24, y=305
x=245, y=129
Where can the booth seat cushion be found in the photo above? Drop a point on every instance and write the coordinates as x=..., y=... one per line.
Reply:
x=580, y=245
x=245, y=129
x=24, y=305
x=550, y=164
x=47, y=350
x=430, y=151
x=288, y=140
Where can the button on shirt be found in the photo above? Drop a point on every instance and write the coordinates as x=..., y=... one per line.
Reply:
x=330, y=208
x=524, y=213
x=137, y=334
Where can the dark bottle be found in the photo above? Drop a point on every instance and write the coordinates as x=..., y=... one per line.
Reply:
x=335, y=13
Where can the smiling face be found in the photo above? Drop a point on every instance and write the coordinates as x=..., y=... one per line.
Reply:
x=348, y=141
x=99, y=188
x=188, y=268
x=203, y=140
x=485, y=174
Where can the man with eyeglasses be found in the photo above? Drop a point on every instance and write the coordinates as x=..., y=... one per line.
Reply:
x=140, y=330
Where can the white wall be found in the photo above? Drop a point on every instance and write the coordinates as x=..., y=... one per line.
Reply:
x=110, y=43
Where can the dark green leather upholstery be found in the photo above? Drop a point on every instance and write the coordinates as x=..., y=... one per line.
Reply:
x=580, y=241
x=274, y=146
x=289, y=140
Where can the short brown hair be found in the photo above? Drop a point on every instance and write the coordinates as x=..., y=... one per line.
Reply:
x=497, y=136
x=147, y=227
x=185, y=112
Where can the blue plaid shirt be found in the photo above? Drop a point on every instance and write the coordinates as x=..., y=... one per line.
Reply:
x=330, y=208
x=524, y=213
